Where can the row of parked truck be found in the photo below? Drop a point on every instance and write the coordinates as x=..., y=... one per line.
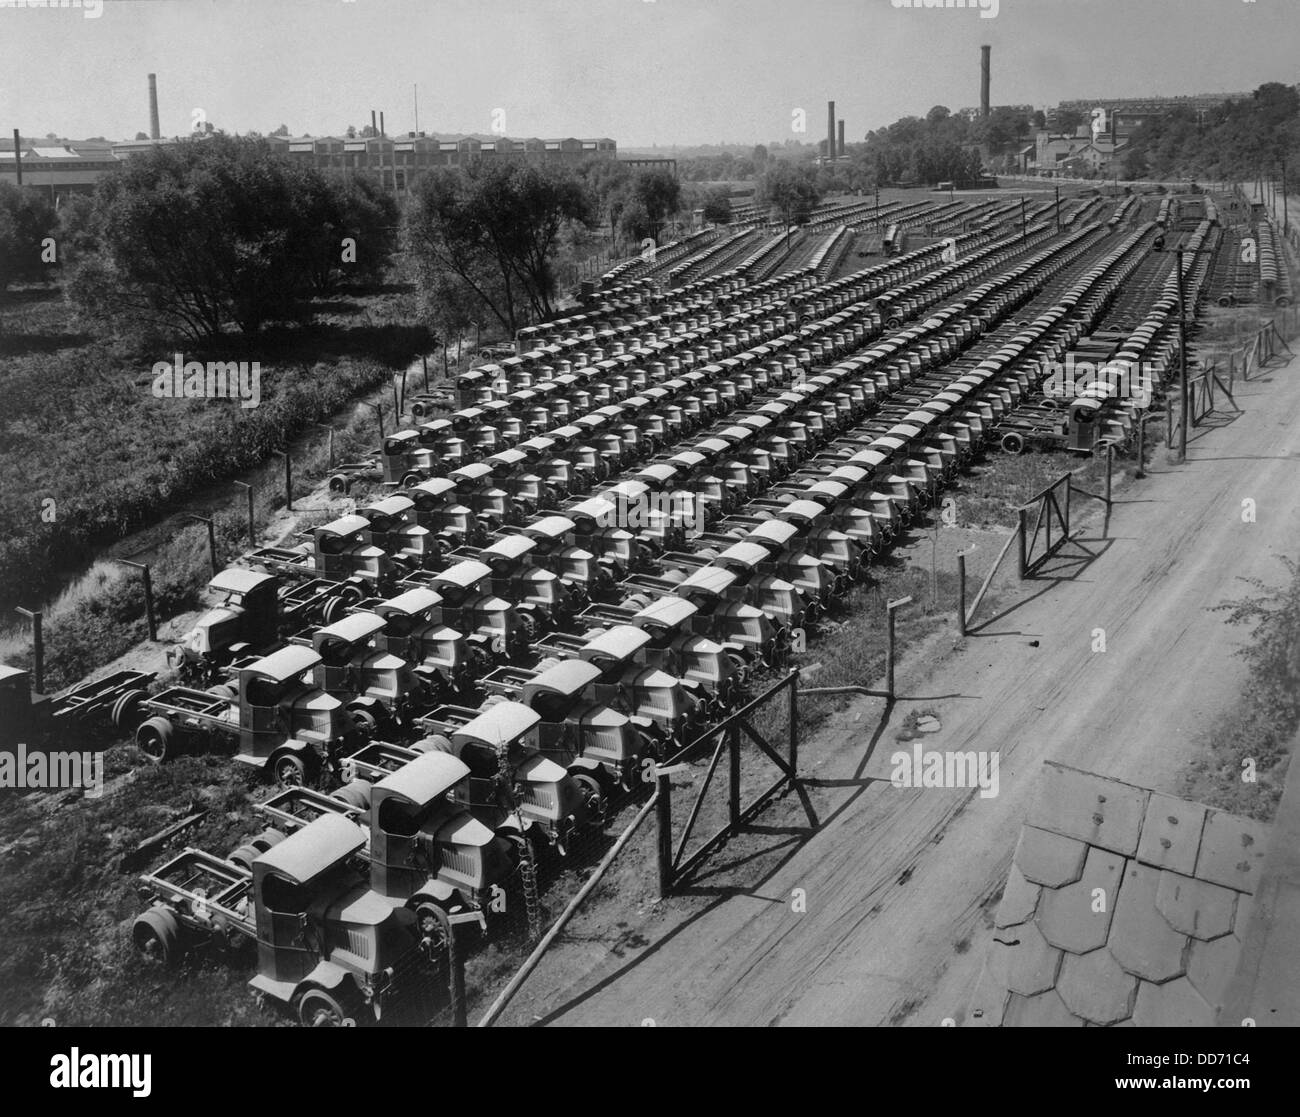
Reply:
x=454, y=682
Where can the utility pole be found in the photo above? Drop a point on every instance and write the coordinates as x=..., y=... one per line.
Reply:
x=1024, y=229
x=1182, y=359
x=1286, y=223
x=1058, y=208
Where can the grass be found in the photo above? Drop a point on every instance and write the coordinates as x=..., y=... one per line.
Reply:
x=82, y=428
x=1257, y=735
x=66, y=904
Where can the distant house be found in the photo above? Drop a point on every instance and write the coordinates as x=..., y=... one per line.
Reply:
x=1053, y=150
x=1103, y=156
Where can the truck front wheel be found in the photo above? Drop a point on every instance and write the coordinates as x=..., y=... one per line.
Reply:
x=289, y=769
x=157, y=935
x=319, y=1009
x=156, y=739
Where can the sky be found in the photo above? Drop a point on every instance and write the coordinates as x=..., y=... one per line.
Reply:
x=640, y=71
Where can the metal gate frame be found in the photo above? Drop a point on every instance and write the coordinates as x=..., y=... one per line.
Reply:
x=672, y=867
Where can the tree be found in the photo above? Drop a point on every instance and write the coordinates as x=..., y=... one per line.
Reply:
x=26, y=219
x=487, y=235
x=790, y=190
x=1039, y=119
x=660, y=193
x=142, y=136
x=717, y=206
x=938, y=114
x=1068, y=120
x=760, y=155
x=196, y=236
x=283, y=130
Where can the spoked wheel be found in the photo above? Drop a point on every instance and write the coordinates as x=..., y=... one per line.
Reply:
x=434, y=924
x=289, y=769
x=593, y=797
x=319, y=1009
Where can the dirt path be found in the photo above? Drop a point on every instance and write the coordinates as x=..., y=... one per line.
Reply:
x=900, y=882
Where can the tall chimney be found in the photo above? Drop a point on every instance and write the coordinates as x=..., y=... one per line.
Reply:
x=374, y=127
x=830, y=129
x=985, y=51
x=840, y=152
x=18, y=157
x=154, y=130
x=381, y=124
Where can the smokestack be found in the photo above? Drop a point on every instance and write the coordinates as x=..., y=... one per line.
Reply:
x=985, y=52
x=18, y=157
x=830, y=129
x=381, y=124
x=840, y=151
x=154, y=130
x=374, y=128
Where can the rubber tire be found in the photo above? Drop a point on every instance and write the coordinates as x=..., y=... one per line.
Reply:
x=590, y=786
x=1013, y=443
x=439, y=922
x=157, y=934
x=356, y=794
x=288, y=769
x=155, y=739
x=126, y=710
x=318, y=1008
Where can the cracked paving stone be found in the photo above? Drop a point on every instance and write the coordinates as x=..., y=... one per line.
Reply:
x=1211, y=966
x=1047, y=858
x=1019, y=899
x=1066, y=916
x=1195, y=907
x=1140, y=938
x=1175, y=1004
x=1044, y=1010
x=1022, y=960
x=1095, y=987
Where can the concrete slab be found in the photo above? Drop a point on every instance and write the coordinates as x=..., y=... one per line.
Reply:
x=1019, y=900
x=1077, y=917
x=1045, y=1010
x=1022, y=960
x=1140, y=938
x=1049, y=859
x=1195, y=907
x=1210, y=966
x=1175, y=1004
x=1232, y=851
x=1095, y=987
x=1171, y=834
x=1093, y=809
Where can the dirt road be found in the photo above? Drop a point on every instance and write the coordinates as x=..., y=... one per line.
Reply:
x=900, y=882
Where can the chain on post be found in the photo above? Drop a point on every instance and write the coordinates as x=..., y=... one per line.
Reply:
x=527, y=865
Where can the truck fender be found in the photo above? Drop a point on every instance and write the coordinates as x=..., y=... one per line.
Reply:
x=326, y=975
x=437, y=892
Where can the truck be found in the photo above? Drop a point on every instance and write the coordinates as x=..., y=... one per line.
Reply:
x=329, y=948
x=251, y=611
x=278, y=723
x=27, y=717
